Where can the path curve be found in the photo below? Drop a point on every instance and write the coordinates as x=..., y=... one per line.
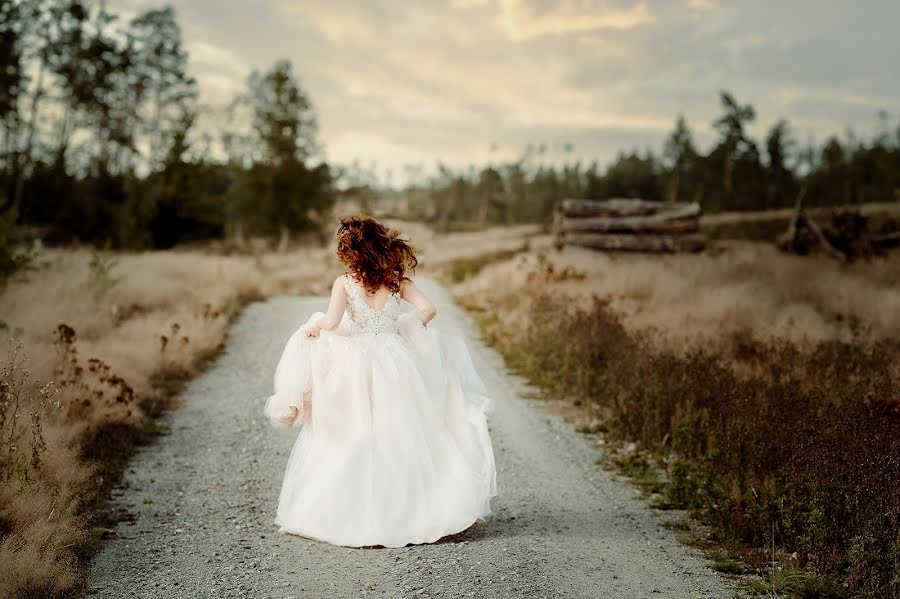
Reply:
x=205, y=496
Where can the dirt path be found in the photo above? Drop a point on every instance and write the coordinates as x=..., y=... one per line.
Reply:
x=205, y=496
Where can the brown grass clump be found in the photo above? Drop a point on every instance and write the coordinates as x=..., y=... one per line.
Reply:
x=799, y=447
x=39, y=524
x=42, y=528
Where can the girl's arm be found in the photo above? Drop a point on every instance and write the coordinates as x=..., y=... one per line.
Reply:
x=336, y=307
x=411, y=293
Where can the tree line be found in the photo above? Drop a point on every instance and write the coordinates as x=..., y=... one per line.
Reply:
x=737, y=173
x=99, y=139
x=100, y=143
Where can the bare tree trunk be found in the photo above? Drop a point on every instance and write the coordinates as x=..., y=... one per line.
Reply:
x=672, y=195
x=8, y=159
x=483, y=210
x=62, y=142
x=728, y=178
x=24, y=158
x=698, y=193
x=285, y=239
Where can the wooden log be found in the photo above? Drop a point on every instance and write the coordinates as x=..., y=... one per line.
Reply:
x=804, y=235
x=887, y=240
x=624, y=225
x=638, y=243
x=620, y=207
x=826, y=245
x=679, y=220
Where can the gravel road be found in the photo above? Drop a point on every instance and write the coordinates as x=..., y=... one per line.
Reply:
x=204, y=497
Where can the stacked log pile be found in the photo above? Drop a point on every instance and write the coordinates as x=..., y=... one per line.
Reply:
x=629, y=225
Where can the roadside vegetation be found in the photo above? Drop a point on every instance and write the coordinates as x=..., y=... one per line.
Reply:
x=99, y=345
x=786, y=446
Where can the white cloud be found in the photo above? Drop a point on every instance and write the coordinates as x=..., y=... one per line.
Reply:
x=219, y=72
x=339, y=22
x=703, y=4
x=204, y=54
x=521, y=22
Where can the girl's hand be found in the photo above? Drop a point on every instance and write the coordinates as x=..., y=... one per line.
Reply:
x=313, y=332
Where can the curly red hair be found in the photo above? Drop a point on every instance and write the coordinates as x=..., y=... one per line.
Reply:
x=374, y=254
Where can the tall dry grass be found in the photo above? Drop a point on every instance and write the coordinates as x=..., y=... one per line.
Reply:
x=775, y=443
x=737, y=289
x=117, y=334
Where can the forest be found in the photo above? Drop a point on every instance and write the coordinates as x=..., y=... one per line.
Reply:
x=100, y=144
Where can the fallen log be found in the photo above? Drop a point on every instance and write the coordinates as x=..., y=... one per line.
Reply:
x=691, y=242
x=825, y=243
x=845, y=235
x=620, y=207
x=673, y=221
x=887, y=240
x=603, y=225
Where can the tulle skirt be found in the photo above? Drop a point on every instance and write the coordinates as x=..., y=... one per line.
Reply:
x=393, y=446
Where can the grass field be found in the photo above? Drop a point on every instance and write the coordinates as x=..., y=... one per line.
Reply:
x=736, y=288
x=758, y=390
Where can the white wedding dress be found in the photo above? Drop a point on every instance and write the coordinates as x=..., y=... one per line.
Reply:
x=394, y=446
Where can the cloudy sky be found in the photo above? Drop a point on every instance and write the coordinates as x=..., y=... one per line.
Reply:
x=476, y=81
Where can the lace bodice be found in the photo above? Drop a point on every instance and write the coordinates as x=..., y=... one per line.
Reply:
x=366, y=319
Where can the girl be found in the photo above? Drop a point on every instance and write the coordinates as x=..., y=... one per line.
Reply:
x=393, y=447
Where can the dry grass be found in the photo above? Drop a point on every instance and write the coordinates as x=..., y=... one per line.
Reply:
x=118, y=334
x=143, y=323
x=789, y=439
x=152, y=292
x=740, y=288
